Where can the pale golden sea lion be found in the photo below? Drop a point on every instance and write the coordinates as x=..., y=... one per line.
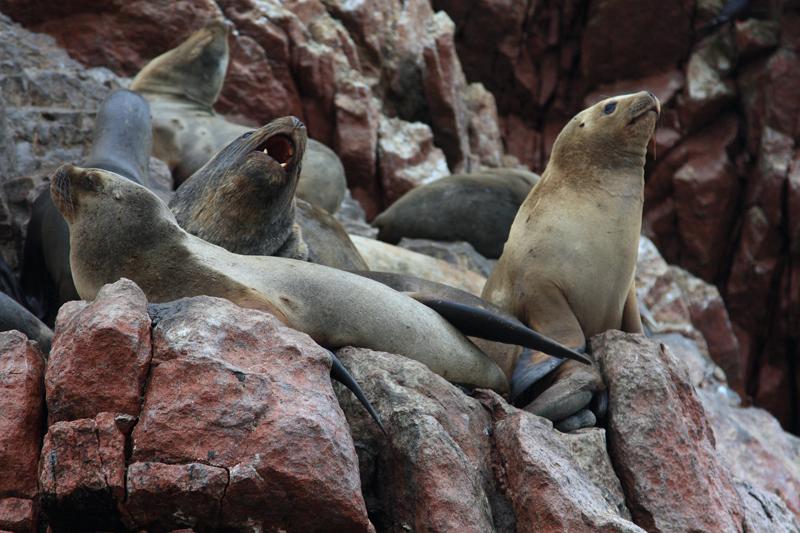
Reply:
x=567, y=269
x=182, y=86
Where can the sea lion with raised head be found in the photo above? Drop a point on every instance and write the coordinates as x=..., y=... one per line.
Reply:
x=477, y=208
x=121, y=143
x=243, y=199
x=182, y=86
x=567, y=269
x=120, y=229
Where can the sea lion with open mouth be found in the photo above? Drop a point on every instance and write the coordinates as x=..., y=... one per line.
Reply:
x=243, y=199
x=182, y=86
x=567, y=269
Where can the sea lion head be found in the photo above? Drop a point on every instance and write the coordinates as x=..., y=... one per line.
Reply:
x=243, y=198
x=116, y=226
x=195, y=69
x=612, y=133
x=263, y=164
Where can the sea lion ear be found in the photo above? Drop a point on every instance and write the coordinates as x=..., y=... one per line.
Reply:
x=477, y=322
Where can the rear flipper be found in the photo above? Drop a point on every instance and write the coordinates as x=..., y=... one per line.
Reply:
x=478, y=322
x=340, y=374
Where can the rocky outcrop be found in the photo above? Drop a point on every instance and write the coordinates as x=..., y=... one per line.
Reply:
x=237, y=426
x=400, y=88
x=360, y=77
x=236, y=423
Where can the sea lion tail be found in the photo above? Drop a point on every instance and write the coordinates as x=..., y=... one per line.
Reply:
x=476, y=322
x=340, y=374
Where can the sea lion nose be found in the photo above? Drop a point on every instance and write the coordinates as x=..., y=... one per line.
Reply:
x=297, y=124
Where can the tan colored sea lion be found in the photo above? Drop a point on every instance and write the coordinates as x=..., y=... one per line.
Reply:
x=243, y=199
x=478, y=208
x=567, y=269
x=182, y=86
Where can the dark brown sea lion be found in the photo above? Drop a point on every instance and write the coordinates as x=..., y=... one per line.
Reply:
x=121, y=143
x=243, y=200
x=567, y=269
x=478, y=208
x=182, y=86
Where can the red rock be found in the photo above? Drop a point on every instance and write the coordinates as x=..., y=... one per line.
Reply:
x=754, y=36
x=665, y=85
x=355, y=143
x=485, y=140
x=235, y=389
x=754, y=448
x=82, y=473
x=547, y=490
x=164, y=497
x=706, y=193
x=708, y=314
x=655, y=423
x=660, y=294
x=121, y=36
x=17, y=514
x=432, y=471
x=608, y=55
x=407, y=157
x=22, y=408
x=698, y=179
x=100, y=355
x=708, y=89
x=443, y=82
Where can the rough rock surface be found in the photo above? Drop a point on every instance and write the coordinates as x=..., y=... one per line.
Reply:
x=656, y=421
x=451, y=462
x=101, y=356
x=720, y=195
x=459, y=253
x=22, y=420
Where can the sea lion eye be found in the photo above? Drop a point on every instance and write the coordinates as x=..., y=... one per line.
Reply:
x=246, y=135
x=609, y=108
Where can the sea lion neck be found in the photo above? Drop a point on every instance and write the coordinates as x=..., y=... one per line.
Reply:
x=195, y=70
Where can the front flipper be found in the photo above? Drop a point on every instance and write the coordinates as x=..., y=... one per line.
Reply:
x=478, y=322
x=340, y=374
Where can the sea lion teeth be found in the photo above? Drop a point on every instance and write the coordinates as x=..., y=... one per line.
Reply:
x=283, y=165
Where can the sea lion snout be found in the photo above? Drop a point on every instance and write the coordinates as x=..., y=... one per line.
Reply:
x=645, y=103
x=61, y=191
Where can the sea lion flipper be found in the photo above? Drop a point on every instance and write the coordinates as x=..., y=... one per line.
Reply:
x=476, y=322
x=340, y=374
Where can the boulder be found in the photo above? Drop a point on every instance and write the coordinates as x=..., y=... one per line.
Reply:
x=655, y=422
x=22, y=405
x=100, y=356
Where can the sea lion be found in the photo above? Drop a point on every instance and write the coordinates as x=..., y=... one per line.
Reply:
x=384, y=257
x=14, y=316
x=121, y=143
x=567, y=269
x=243, y=200
x=478, y=208
x=182, y=85
x=336, y=308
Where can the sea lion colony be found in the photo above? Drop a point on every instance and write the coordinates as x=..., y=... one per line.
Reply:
x=243, y=201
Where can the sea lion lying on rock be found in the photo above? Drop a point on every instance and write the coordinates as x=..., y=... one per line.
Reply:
x=121, y=143
x=568, y=267
x=121, y=229
x=243, y=199
x=477, y=208
x=182, y=85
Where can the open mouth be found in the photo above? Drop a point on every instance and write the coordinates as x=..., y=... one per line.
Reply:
x=278, y=147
